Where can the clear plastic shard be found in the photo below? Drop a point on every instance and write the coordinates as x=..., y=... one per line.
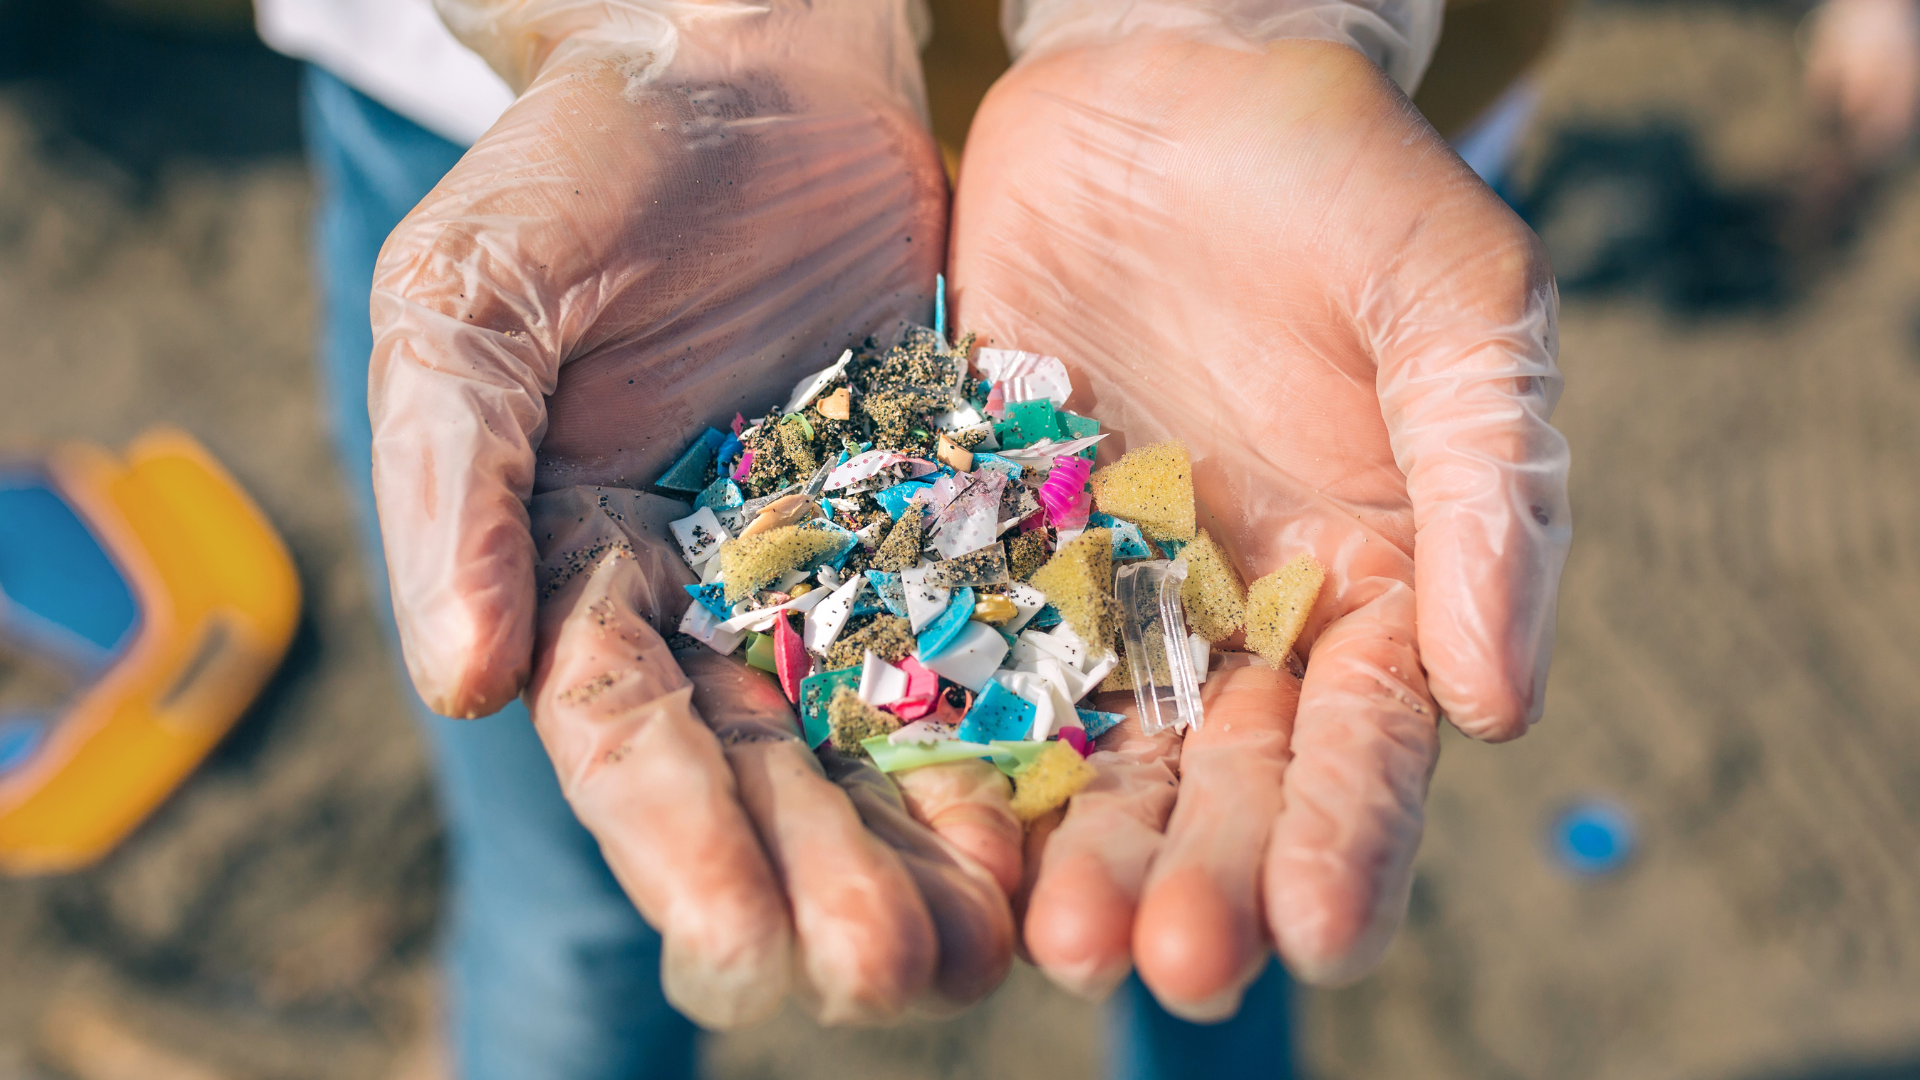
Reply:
x=1164, y=683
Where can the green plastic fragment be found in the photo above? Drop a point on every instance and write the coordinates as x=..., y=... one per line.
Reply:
x=1079, y=427
x=1027, y=422
x=760, y=653
x=892, y=757
x=816, y=692
x=1016, y=755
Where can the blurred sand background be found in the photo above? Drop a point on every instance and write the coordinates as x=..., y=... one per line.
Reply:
x=1737, y=666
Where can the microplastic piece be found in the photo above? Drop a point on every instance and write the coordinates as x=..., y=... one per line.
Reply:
x=1013, y=469
x=1592, y=837
x=1127, y=541
x=816, y=693
x=900, y=550
x=791, y=662
x=1027, y=602
x=925, y=602
x=1154, y=627
x=888, y=588
x=942, y=631
x=837, y=405
x=998, y=713
x=760, y=653
x=1064, y=493
x=1055, y=775
x=762, y=618
x=973, y=657
x=1027, y=422
x=746, y=465
x=886, y=635
x=940, y=307
x=710, y=597
x=895, y=499
x=922, y=732
x=987, y=566
x=724, y=498
x=690, y=472
x=808, y=387
x=1202, y=653
x=921, y=682
x=1098, y=723
x=891, y=758
x=787, y=510
x=1041, y=453
x=1278, y=605
x=1151, y=486
x=994, y=609
x=752, y=563
x=704, y=626
x=699, y=536
x=966, y=511
x=863, y=466
x=1078, y=581
x=1077, y=738
x=953, y=455
x=1026, y=553
x=1046, y=618
x=829, y=616
x=957, y=420
x=853, y=721
x=881, y=684
x=847, y=540
x=1079, y=427
x=1026, y=376
x=1214, y=595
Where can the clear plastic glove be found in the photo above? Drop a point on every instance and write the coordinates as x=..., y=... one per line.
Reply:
x=1863, y=64
x=1265, y=252
x=689, y=207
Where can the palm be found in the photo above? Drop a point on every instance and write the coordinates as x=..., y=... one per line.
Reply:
x=1273, y=259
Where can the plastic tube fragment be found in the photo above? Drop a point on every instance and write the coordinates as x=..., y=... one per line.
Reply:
x=1154, y=627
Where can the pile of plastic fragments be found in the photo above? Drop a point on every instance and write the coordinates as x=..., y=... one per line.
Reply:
x=930, y=564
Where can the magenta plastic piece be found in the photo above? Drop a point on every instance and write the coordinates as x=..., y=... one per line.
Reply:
x=1076, y=738
x=739, y=423
x=1064, y=493
x=746, y=463
x=790, y=657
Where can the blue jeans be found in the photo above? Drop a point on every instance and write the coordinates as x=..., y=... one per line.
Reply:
x=552, y=975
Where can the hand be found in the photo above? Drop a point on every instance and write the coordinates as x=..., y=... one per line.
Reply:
x=1266, y=253
x=668, y=227
x=1863, y=64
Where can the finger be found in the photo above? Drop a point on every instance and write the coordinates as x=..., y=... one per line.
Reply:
x=968, y=804
x=1091, y=868
x=1340, y=865
x=640, y=768
x=867, y=944
x=1201, y=937
x=1464, y=325
x=969, y=910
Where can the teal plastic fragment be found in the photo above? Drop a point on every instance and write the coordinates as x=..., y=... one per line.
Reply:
x=940, y=632
x=1127, y=541
x=1098, y=723
x=984, y=460
x=713, y=598
x=722, y=494
x=998, y=714
x=894, y=499
x=889, y=757
x=1016, y=754
x=978, y=392
x=1027, y=423
x=1079, y=427
x=816, y=691
x=836, y=558
x=893, y=594
x=1045, y=619
x=690, y=472
x=940, y=306
x=1171, y=548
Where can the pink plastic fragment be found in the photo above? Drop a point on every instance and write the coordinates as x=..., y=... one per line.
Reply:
x=1076, y=738
x=790, y=657
x=746, y=463
x=923, y=691
x=1035, y=520
x=739, y=423
x=997, y=401
x=1064, y=493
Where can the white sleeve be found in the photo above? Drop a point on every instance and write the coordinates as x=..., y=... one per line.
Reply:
x=1398, y=35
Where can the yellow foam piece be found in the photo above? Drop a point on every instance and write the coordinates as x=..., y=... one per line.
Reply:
x=1151, y=486
x=751, y=563
x=851, y=720
x=1055, y=775
x=1026, y=553
x=901, y=549
x=1215, y=597
x=1278, y=606
x=1078, y=581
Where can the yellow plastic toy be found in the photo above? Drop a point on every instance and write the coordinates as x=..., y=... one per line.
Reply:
x=159, y=585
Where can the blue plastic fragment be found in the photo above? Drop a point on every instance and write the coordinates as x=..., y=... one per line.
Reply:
x=729, y=451
x=1098, y=723
x=940, y=306
x=713, y=598
x=866, y=607
x=895, y=498
x=984, y=460
x=722, y=494
x=1045, y=619
x=1127, y=541
x=998, y=713
x=891, y=592
x=1171, y=548
x=940, y=632
x=1593, y=837
x=690, y=472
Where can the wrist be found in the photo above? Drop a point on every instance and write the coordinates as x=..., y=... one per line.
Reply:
x=1397, y=35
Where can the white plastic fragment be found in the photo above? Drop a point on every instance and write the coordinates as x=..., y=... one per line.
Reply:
x=829, y=616
x=705, y=627
x=972, y=658
x=1044, y=451
x=803, y=394
x=762, y=618
x=925, y=602
x=957, y=420
x=922, y=733
x=1202, y=652
x=1026, y=376
x=1027, y=602
x=863, y=466
x=1091, y=679
x=880, y=682
x=699, y=535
